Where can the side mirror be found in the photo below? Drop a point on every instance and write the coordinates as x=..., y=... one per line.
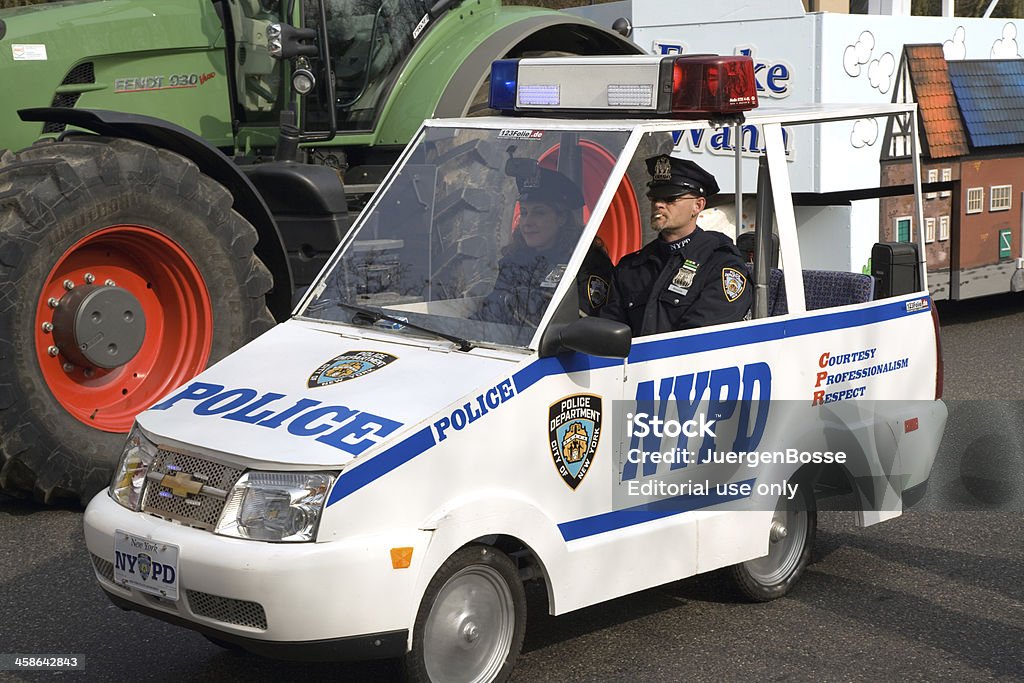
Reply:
x=592, y=336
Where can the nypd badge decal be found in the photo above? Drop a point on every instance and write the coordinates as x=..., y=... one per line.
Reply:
x=574, y=429
x=349, y=365
x=733, y=283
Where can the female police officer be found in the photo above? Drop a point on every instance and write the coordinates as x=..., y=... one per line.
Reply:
x=536, y=258
x=686, y=277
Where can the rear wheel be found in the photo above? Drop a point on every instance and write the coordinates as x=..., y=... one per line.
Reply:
x=124, y=273
x=790, y=539
x=472, y=620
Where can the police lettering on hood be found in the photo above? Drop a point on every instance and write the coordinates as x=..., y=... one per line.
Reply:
x=686, y=277
x=532, y=264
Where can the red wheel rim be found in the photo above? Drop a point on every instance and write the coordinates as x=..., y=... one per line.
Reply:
x=179, y=324
x=620, y=230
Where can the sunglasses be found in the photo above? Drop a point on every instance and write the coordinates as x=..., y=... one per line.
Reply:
x=671, y=200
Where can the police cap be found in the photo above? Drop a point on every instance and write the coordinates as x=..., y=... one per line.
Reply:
x=549, y=187
x=671, y=177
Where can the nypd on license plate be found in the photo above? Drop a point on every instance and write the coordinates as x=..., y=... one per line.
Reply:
x=147, y=565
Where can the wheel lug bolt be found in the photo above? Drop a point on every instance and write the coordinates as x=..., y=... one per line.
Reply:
x=68, y=284
x=109, y=282
x=89, y=278
x=53, y=351
x=89, y=372
x=52, y=302
x=69, y=367
x=47, y=327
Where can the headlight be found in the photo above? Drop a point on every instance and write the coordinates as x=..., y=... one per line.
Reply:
x=275, y=506
x=130, y=475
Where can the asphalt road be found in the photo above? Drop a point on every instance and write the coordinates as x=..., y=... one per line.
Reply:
x=937, y=594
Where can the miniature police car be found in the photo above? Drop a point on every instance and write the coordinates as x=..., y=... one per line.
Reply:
x=379, y=475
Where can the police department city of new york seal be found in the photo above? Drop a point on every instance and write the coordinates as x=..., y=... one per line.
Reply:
x=574, y=429
x=349, y=365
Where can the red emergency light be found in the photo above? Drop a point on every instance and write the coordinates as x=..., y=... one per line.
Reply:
x=702, y=84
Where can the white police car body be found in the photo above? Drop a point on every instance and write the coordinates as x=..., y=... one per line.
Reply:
x=376, y=476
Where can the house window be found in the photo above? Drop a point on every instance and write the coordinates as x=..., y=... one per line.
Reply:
x=943, y=228
x=947, y=176
x=903, y=229
x=929, y=229
x=1005, y=244
x=933, y=177
x=999, y=198
x=975, y=199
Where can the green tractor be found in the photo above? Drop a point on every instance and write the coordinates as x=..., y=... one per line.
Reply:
x=186, y=167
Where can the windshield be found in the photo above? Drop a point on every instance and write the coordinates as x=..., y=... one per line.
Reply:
x=473, y=236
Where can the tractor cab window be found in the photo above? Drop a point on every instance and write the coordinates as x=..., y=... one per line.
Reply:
x=368, y=41
x=474, y=235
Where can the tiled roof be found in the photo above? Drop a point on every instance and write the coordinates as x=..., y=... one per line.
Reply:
x=942, y=132
x=991, y=97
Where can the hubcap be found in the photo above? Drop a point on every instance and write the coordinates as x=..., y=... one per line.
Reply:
x=787, y=536
x=101, y=327
x=469, y=631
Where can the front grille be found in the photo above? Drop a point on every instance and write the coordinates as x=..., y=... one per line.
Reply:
x=227, y=610
x=103, y=568
x=202, y=510
x=83, y=73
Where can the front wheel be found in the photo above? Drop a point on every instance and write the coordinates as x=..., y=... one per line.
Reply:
x=124, y=272
x=472, y=620
x=790, y=538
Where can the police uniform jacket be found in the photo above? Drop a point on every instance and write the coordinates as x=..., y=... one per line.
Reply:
x=661, y=288
x=527, y=279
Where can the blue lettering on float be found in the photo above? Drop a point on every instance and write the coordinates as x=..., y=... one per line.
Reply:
x=725, y=389
x=341, y=427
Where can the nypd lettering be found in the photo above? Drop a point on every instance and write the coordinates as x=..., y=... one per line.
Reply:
x=346, y=429
x=737, y=400
x=349, y=365
x=471, y=411
x=574, y=430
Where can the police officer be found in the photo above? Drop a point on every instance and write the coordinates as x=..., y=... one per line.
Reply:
x=686, y=277
x=535, y=260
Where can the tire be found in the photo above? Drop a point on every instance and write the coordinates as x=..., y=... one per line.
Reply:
x=471, y=622
x=89, y=212
x=789, y=550
x=466, y=212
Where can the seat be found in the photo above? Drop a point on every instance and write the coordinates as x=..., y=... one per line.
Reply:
x=822, y=289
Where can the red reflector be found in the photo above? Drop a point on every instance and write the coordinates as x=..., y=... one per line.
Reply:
x=910, y=425
x=712, y=84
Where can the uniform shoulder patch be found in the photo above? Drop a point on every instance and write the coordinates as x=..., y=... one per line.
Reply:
x=733, y=283
x=597, y=291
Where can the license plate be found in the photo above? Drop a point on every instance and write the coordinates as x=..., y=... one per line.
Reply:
x=147, y=565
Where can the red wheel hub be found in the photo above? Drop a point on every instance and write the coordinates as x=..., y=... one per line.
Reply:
x=125, y=272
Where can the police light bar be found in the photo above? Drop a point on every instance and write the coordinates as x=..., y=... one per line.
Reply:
x=681, y=85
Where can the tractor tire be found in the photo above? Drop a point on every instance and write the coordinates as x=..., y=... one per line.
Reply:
x=123, y=272
x=465, y=214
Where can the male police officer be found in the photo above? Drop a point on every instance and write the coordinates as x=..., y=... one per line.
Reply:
x=534, y=261
x=686, y=277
